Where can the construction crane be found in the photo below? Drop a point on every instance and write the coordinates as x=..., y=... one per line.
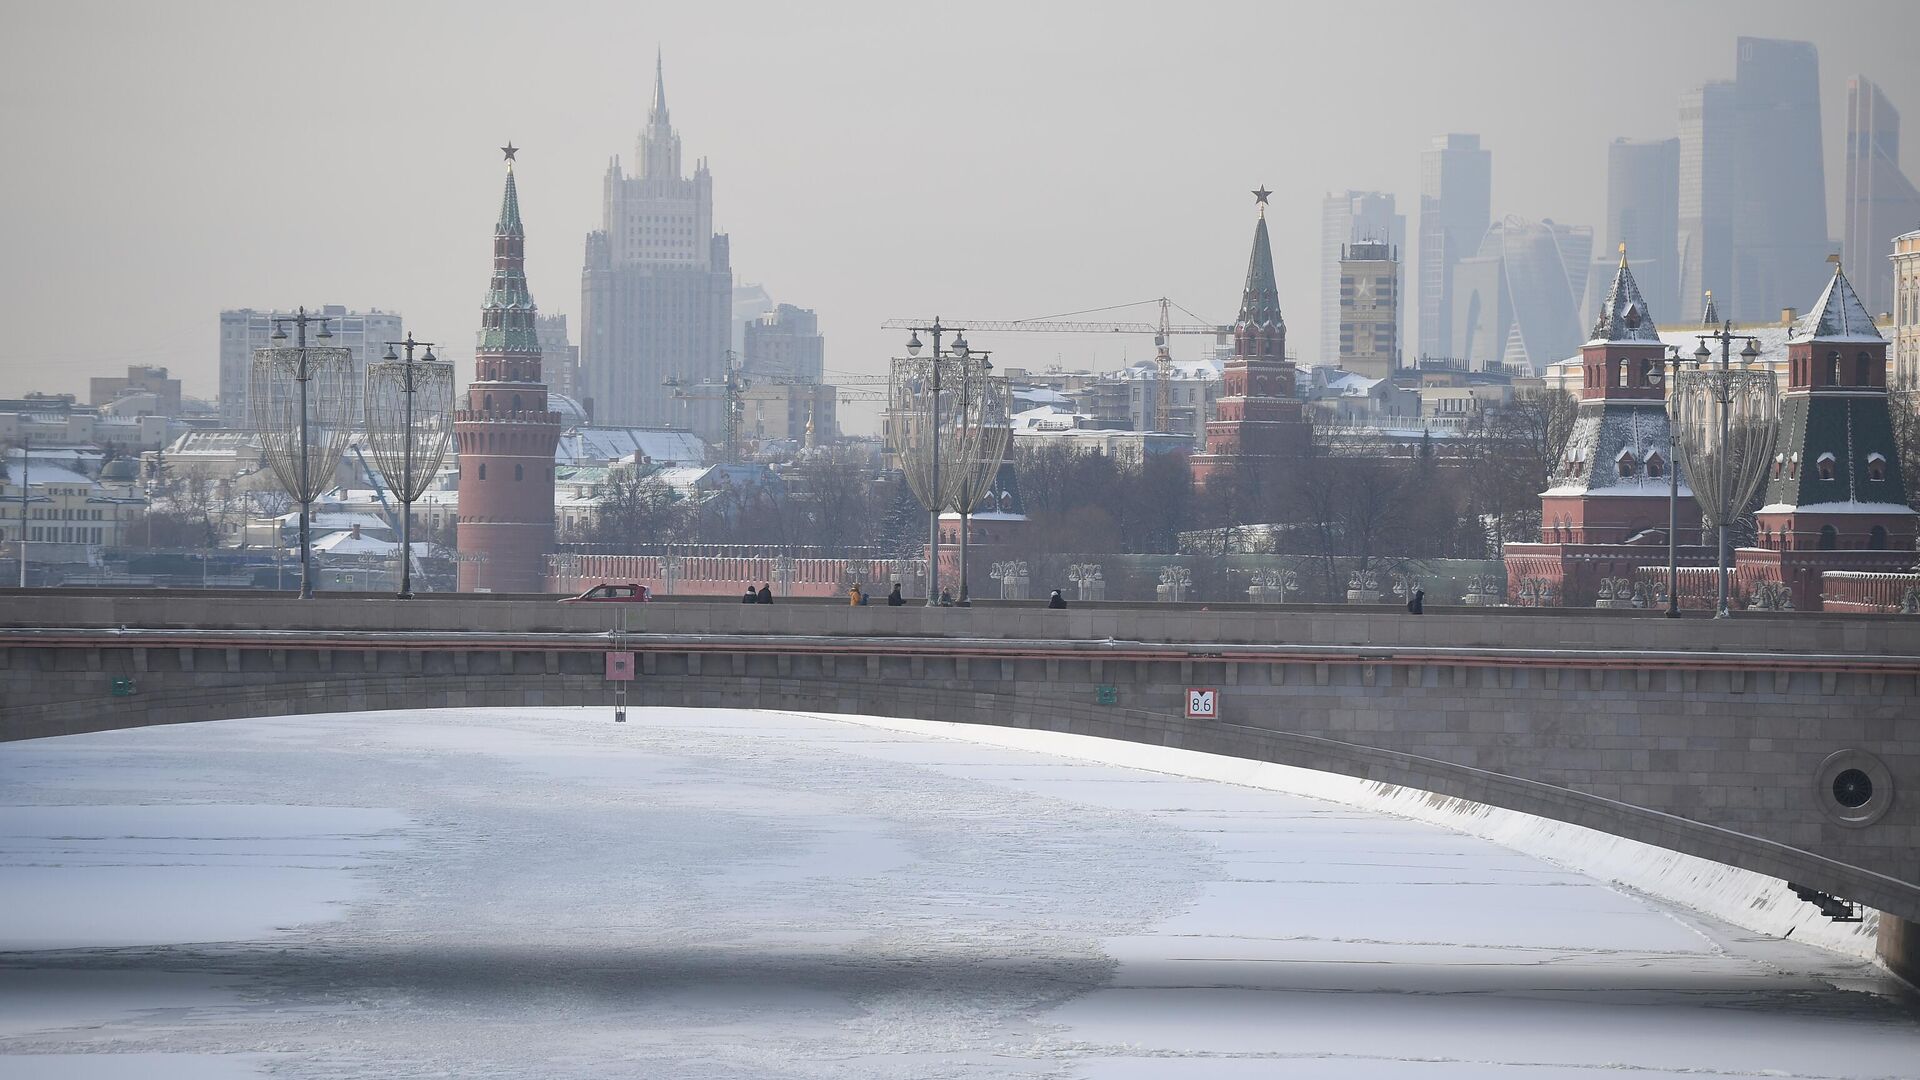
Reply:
x=727, y=391
x=1069, y=323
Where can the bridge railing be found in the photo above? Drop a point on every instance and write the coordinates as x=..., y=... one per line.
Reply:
x=1861, y=592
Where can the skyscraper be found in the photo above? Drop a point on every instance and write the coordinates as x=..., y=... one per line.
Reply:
x=1516, y=302
x=657, y=288
x=785, y=343
x=505, y=435
x=1881, y=202
x=1351, y=217
x=1780, y=239
x=1705, y=247
x=1370, y=310
x=1456, y=206
x=1643, y=186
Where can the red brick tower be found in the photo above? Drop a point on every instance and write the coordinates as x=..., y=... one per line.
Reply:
x=1258, y=417
x=1835, y=499
x=1605, y=511
x=505, y=436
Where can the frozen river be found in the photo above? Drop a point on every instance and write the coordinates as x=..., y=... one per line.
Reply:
x=545, y=894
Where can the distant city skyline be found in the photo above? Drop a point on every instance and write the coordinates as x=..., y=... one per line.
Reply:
x=1045, y=176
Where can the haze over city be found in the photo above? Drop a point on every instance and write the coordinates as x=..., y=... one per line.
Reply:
x=869, y=161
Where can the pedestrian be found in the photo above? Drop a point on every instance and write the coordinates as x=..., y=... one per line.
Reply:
x=946, y=598
x=1418, y=604
x=1056, y=600
x=750, y=597
x=894, y=599
x=854, y=599
x=766, y=593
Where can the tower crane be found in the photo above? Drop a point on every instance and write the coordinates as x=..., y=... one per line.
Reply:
x=1071, y=322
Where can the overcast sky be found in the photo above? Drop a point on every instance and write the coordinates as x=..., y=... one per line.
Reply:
x=165, y=161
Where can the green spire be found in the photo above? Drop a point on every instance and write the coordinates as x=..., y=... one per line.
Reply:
x=509, y=209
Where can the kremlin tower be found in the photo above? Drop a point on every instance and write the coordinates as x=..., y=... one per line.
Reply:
x=505, y=436
x=1258, y=418
x=1835, y=499
x=1605, y=512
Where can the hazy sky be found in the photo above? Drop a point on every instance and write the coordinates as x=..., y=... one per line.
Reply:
x=165, y=161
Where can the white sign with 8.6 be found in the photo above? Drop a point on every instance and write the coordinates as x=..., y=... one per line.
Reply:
x=1203, y=703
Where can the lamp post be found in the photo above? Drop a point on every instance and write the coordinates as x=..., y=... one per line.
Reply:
x=294, y=464
x=1702, y=410
x=934, y=494
x=26, y=466
x=1673, y=491
x=396, y=422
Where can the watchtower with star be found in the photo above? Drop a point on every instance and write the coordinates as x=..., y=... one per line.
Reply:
x=1257, y=416
x=505, y=435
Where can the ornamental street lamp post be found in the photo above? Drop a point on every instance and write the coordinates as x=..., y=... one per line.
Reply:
x=408, y=437
x=1673, y=491
x=933, y=494
x=1726, y=461
x=283, y=417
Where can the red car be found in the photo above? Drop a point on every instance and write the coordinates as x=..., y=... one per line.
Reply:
x=612, y=594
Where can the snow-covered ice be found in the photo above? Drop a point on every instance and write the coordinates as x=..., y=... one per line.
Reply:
x=543, y=893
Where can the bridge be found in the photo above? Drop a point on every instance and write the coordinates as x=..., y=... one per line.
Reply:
x=1785, y=745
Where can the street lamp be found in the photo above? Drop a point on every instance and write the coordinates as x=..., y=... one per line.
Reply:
x=1673, y=490
x=914, y=394
x=1726, y=461
x=981, y=439
x=288, y=391
x=408, y=440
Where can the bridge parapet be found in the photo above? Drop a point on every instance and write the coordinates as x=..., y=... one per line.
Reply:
x=1475, y=628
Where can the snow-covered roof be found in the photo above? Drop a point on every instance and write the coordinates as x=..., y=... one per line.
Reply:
x=1046, y=418
x=1838, y=315
x=1895, y=509
x=343, y=520
x=1187, y=370
x=40, y=473
x=1040, y=395
x=345, y=543
x=1603, y=435
x=1624, y=317
x=599, y=445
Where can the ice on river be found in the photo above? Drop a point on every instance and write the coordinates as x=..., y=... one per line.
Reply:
x=704, y=894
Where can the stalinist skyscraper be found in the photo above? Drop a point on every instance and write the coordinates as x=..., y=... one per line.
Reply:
x=657, y=290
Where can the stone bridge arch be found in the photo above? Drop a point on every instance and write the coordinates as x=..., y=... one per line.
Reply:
x=1391, y=722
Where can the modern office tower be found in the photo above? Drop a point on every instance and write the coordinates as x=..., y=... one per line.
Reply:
x=1517, y=300
x=1906, y=311
x=505, y=434
x=559, y=356
x=1881, y=202
x=363, y=333
x=785, y=343
x=1370, y=310
x=1643, y=187
x=1780, y=238
x=1456, y=206
x=1705, y=246
x=657, y=290
x=1351, y=217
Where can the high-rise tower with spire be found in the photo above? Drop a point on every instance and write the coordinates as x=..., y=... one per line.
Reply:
x=505, y=435
x=1258, y=419
x=656, y=290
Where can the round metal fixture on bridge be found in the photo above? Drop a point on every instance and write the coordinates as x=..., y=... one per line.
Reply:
x=1854, y=787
